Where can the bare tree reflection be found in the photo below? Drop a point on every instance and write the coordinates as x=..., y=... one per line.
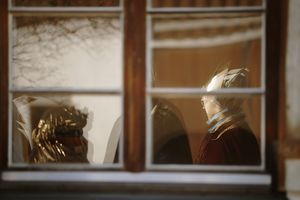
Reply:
x=39, y=42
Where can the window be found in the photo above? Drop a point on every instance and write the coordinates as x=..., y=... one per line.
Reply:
x=65, y=72
x=146, y=75
x=187, y=44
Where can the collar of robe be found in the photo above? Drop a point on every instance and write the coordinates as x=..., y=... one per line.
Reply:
x=224, y=117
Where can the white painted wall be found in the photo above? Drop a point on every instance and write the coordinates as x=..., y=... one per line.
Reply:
x=292, y=166
x=293, y=70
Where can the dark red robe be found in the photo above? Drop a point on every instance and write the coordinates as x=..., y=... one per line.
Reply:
x=229, y=145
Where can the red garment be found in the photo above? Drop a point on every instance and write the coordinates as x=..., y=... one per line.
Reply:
x=229, y=145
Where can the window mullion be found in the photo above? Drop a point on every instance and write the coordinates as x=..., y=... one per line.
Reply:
x=134, y=99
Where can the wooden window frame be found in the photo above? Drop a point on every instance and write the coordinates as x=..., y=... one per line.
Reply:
x=134, y=93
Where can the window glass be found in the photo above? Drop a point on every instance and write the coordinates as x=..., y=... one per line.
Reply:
x=61, y=52
x=188, y=49
x=206, y=85
x=206, y=3
x=207, y=130
x=57, y=128
x=76, y=62
x=66, y=3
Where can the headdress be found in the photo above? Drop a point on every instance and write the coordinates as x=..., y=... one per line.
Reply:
x=231, y=107
x=234, y=78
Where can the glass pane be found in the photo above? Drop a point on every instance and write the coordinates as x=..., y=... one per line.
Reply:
x=71, y=3
x=66, y=128
x=61, y=52
x=190, y=49
x=214, y=130
x=205, y=3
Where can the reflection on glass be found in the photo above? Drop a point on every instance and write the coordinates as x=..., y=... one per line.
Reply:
x=171, y=144
x=56, y=52
x=219, y=130
x=65, y=128
x=189, y=48
x=206, y=3
x=58, y=136
x=70, y=3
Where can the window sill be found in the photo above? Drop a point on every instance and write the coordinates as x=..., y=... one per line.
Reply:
x=240, y=179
